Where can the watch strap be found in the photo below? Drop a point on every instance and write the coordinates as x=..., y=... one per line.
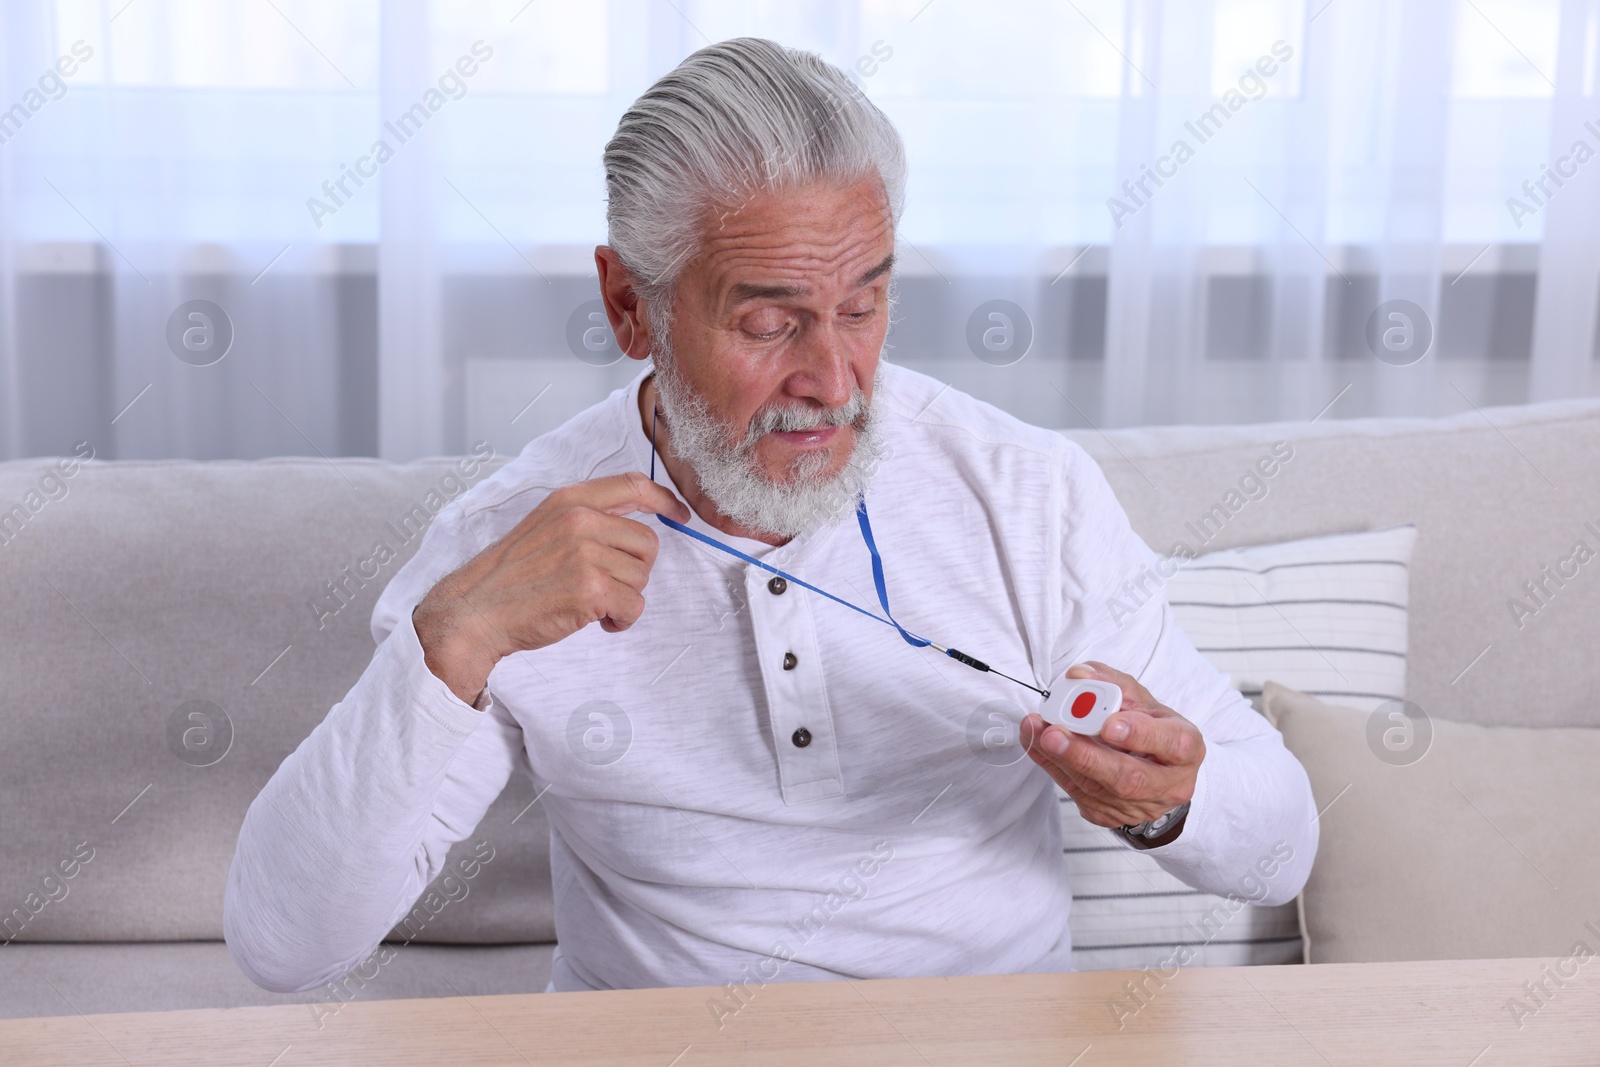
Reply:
x=1157, y=831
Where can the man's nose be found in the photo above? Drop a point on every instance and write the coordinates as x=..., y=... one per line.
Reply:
x=825, y=375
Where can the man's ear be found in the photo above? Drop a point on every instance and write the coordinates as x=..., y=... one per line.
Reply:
x=624, y=308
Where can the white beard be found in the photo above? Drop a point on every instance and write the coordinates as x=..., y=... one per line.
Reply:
x=730, y=476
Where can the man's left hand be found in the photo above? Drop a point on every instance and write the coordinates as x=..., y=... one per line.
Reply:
x=1142, y=765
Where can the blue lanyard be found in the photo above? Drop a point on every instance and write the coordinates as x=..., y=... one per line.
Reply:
x=887, y=618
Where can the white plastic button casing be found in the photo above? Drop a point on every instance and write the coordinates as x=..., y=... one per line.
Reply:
x=1081, y=705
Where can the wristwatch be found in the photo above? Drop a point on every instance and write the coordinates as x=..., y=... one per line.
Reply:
x=1157, y=831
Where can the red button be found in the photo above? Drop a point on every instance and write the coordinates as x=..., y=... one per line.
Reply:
x=1083, y=705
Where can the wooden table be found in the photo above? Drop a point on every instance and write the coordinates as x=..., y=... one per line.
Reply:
x=1450, y=1012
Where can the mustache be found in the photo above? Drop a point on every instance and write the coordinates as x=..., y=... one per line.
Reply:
x=789, y=418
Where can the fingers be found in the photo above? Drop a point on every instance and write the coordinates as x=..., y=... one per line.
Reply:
x=1114, y=772
x=1134, y=694
x=1144, y=725
x=622, y=605
x=1038, y=738
x=1094, y=803
x=612, y=531
x=616, y=564
x=594, y=511
x=574, y=559
x=577, y=525
x=1115, y=788
x=1098, y=768
x=620, y=494
x=1171, y=740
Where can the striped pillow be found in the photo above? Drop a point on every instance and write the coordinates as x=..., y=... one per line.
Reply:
x=1324, y=615
x=1329, y=612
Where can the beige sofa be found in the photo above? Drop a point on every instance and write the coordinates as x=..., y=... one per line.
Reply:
x=172, y=630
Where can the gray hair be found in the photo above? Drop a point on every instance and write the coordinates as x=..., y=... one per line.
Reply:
x=734, y=119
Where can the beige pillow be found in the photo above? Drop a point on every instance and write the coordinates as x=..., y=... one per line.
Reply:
x=1478, y=843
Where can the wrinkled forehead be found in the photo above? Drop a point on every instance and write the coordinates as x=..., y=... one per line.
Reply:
x=814, y=241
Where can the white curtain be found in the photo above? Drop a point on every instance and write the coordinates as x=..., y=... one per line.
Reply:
x=1569, y=255
x=1060, y=255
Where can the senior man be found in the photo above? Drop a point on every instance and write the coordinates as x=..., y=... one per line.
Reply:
x=746, y=780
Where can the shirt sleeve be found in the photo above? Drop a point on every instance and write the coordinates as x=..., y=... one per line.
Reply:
x=1252, y=827
x=358, y=820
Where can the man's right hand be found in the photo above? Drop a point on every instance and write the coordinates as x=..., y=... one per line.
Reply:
x=571, y=561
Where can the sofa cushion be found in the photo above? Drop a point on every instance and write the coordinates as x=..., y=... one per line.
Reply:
x=173, y=630
x=1496, y=494
x=1322, y=612
x=65, y=979
x=1446, y=840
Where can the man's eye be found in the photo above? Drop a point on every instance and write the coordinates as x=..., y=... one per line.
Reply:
x=766, y=327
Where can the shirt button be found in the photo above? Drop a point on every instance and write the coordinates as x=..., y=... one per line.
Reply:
x=801, y=738
x=789, y=661
x=777, y=585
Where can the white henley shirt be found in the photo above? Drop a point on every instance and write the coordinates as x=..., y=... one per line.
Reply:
x=694, y=839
